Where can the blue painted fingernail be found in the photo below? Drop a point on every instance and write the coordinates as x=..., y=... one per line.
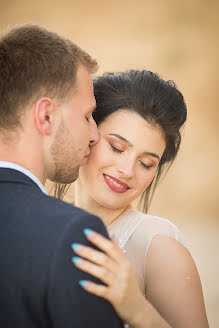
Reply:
x=75, y=247
x=75, y=259
x=83, y=283
x=87, y=232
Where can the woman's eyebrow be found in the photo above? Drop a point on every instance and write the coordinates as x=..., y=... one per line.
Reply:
x=122, y=138
x=131, y=145
x=148, y=153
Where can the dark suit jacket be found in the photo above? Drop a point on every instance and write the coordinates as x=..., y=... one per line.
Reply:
x=38, y=282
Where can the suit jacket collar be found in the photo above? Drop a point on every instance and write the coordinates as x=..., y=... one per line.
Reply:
x=11, y=175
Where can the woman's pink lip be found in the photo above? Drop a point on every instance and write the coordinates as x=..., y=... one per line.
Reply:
x=118, y=181
x=111, y=185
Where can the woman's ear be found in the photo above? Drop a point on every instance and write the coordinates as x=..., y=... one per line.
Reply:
x=44, y=115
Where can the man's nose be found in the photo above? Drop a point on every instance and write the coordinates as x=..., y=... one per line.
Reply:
x=94, y=133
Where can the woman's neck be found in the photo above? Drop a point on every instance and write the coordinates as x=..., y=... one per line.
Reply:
x=87, y=203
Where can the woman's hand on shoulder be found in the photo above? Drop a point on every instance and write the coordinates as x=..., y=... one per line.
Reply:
x=173, y=284
x=113, y=269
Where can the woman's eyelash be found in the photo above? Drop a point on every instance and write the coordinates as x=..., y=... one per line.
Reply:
x=121, y=151
x=145, y=166
x=115, y=149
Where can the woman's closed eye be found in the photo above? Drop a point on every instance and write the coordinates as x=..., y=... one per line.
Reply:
x=145, y=166
x=116, y=149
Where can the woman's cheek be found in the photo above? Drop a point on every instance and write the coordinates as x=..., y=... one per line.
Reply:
x=145, y=179
x=105, y=157
x=97, y=160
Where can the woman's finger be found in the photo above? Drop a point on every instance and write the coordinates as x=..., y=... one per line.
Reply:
x=95, y=256
x=96, y=289
x=95, y=270
x=106, y=245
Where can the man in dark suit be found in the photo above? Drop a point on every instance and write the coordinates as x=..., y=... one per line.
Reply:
x=46, y=128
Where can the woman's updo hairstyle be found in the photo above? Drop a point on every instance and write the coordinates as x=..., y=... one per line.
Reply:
x=157, y=101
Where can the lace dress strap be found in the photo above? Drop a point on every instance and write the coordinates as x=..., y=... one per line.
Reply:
x=124, y=226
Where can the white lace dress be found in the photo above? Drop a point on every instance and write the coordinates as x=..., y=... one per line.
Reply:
x=134, y=231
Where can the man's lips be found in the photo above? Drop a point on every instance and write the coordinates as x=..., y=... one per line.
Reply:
x=85, y=159
x=118, y=181
x=87, y=155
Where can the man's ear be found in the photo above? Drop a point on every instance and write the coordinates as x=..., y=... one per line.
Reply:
x=44, y=115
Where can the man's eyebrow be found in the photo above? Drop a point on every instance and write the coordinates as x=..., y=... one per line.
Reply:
x=131, y=145
x=94, y=108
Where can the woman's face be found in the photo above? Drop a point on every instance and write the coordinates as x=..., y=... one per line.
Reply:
x=123, y=164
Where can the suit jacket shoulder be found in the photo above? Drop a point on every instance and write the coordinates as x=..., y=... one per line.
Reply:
x=38, y=282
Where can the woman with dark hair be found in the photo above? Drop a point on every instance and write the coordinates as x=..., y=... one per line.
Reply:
x=150, y=275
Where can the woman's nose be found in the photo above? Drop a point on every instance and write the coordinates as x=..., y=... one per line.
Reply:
x=127, y=169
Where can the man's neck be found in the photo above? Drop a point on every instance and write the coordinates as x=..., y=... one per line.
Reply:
x=24, y=156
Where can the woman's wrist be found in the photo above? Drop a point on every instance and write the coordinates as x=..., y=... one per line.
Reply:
x=148, y=317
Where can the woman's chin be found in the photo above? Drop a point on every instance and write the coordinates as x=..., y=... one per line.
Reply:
x=111, y=205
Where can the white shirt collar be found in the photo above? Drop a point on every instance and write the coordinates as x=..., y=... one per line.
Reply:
x=13, y=166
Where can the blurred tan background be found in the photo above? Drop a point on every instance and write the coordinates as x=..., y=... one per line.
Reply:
x=179, y=40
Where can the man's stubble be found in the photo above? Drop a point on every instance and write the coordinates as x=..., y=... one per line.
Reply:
x=64, y=156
